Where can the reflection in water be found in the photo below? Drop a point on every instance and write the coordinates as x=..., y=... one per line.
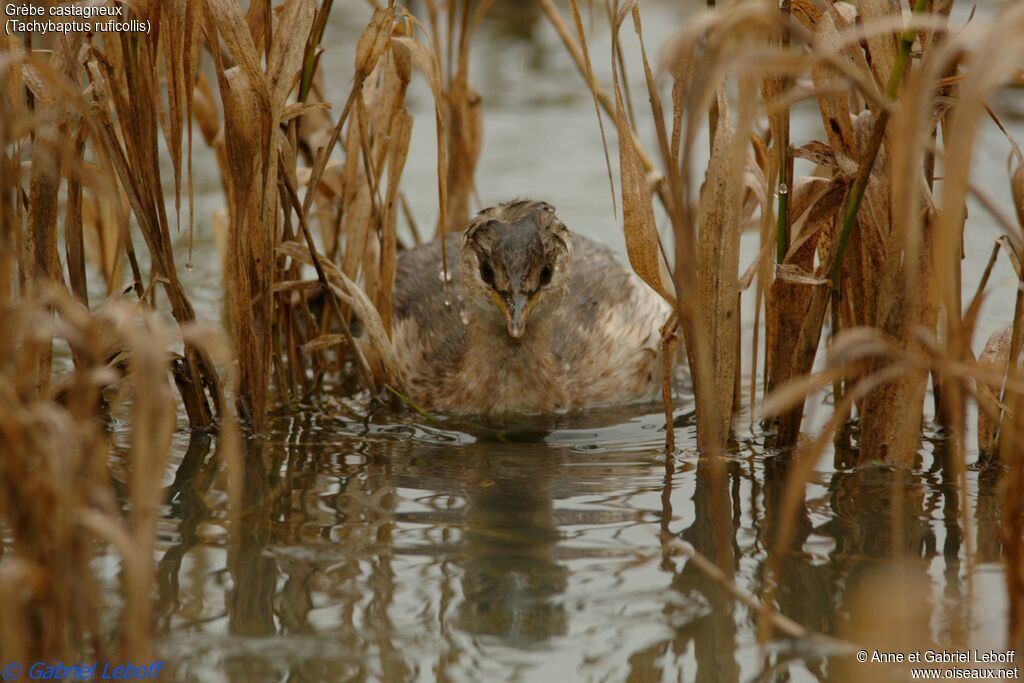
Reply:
x=397, y=552
x=713, y=636
x=511, y=579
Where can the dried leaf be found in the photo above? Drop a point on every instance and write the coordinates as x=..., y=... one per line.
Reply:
x=718, y=247
x=1007, y=245
x=374, y=40
x=995, y=356
x=834, y=98
x=638, y=224
x=788, y=272
x=399, y=136
x=426, y=62
x=231, y=26
x=818, y=153
x=323, y=342
x=806, y=12
x=296, y=110
x=1017, y=187
x=286, y=55
x=377, y=338
x=882, y=47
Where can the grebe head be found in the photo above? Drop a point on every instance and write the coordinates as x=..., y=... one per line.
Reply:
x=516, y=263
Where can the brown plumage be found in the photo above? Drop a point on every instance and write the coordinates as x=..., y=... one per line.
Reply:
x=539, y=319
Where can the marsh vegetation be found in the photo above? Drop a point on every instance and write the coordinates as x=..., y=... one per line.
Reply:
x=206, y=451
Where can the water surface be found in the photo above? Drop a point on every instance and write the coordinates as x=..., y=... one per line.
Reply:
x=390, y=550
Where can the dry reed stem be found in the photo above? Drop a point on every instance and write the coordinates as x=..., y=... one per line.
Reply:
x=718, y=264
x=55, y=478
x=588, y=71
x=781, y=622
x=843, y=142
x=105, y=95
x=132, y=151
x=606, y=101
x=995, y=355
x=465, y=119
x=314, y=258
x=641, y=234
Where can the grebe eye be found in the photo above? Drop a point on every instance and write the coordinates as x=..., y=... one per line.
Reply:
x=545, y=276
x=487, y=273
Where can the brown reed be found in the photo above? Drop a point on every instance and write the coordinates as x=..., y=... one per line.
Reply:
x=871, y=239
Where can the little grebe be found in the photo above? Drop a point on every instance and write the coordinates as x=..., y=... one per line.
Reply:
x=593, y=334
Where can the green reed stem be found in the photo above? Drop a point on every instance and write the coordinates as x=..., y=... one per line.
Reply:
x=416, y=407
x=860, y=183
x=837, y=383
x=785, y=163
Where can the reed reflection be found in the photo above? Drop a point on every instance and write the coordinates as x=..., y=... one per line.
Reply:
x=805, y=584
x=314, y=548
x=711, y=532
x=871, y=523
x=400, y=553
x=187, y=503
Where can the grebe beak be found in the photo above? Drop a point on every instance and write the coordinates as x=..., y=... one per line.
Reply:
x=515, y=315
